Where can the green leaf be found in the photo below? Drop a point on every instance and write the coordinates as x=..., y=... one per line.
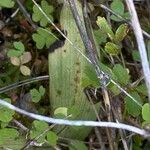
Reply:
x=90, y=77
x=121, y=32
x=18, y=51
x=40, y=125
x=77, y=145
x=8, y=134
x=131, y=107
x=36, y=96
x=100, y=36
x=146, y=112
x=61, y=111
x=19, y=46
x=38, y=16
x=52, y=138
x=7, y=3
x=25, y=70
x=42, y=38
x=25, y=58
x=15, y=61
x=73, y=111
x=105, y=27
x=112, y=48
x=14, y=53
x=118, y=7
x=38, y=128
x=14, y=144
x=40, y=41
x=126, y=15
x=42, y=90
x=121, y=74
x=114, y=89
x=6, y=114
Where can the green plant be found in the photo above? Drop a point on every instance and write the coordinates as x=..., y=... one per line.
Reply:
x=146, y=113
x=42, y=38
x=7, y=3
x=118, y=7
x=37, y=94
x=38, y=16
x=131, y=107
x=19, y=57
x=38, y=129
x=6, y=115
x=113, y=47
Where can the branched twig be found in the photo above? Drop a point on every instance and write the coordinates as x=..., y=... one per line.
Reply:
x=140, y=42
x=139, y=131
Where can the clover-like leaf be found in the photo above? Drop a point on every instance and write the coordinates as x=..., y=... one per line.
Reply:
x=132, y=107
x=89, y=77
x=146, y=112
x=121, y=74
x=61, y=110
x=17, y=51
x=38, y=127
x=25, y=58
x=8, y=134
x=118, y=7
x=6, y=114
x=42, y=90
x=15, y=61
x=38, y=15
x=19, y=46
x=43, y=38
x=52, y=138
x=7, y=3
x=25, y=70
x=36, y=96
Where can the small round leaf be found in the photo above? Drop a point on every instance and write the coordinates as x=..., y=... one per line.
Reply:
x=15, y=61
x=25, y=58
x=25, y=70
x=146, y=112
x=52, y=138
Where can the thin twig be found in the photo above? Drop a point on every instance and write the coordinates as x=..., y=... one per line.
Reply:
x=140, y=42
x=24, y=82
x=12, y=16
x=26, y=14
x=139, y=131
x=31, y=142
x=20, y=125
